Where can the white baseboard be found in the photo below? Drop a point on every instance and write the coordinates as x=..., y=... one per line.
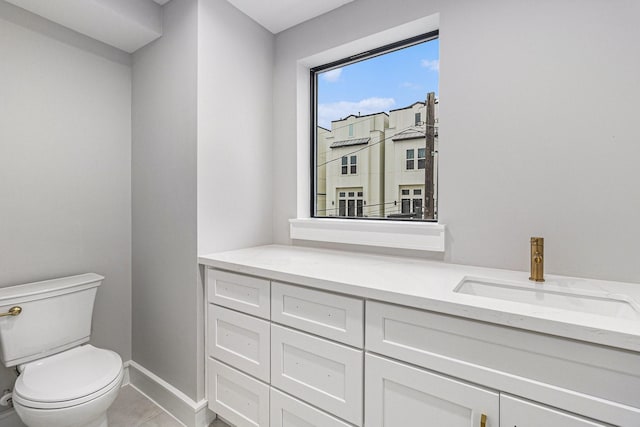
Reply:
x=126, y=379
x=172, y=400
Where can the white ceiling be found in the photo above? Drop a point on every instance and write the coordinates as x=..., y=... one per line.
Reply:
x=278, y=15
x=127, y=25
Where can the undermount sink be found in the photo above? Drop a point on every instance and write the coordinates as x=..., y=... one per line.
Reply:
x=553, y=295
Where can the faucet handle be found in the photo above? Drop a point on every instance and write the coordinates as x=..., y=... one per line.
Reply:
x=537, y=259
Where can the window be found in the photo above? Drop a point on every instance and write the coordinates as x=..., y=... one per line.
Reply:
x=349, y=165
x=373, y=124
x=351, y=203
x=422, y=160
x=409, y=159
x=411, y=203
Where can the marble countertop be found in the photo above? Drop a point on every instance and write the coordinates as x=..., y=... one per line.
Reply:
x=430, y=285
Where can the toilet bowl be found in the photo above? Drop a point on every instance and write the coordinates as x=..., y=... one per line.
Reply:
x=69, y=389
x=44, y=329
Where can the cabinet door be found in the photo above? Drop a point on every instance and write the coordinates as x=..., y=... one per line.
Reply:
x=240, y=340
x=516, y=412
x=401, y=395
x=287, y=411
x=250, y=295
x=236, y=397
x=325, y=374
x=336, y=317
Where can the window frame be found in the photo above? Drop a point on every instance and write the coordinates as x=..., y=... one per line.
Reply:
x=408, y=159
x=313, y=98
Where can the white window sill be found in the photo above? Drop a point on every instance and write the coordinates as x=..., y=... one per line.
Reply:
x=423, y=236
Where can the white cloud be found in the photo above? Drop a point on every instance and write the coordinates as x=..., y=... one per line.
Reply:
x=432, y=65
x=342, y=109
x=332, y=75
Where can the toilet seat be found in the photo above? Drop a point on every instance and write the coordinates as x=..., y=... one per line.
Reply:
x=68, y=379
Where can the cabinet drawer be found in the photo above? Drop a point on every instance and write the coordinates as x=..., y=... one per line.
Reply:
x=287, y=411
x=236, y=397
x=325, y=374
x=243, y=293
x=336, y=317
x=240, y=340
x=401, y=395
x=516, y=412
x=504, y=358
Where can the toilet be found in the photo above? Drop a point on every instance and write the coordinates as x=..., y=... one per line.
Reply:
x=44, y=331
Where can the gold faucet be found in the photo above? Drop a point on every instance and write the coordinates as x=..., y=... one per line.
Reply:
x=537, y=259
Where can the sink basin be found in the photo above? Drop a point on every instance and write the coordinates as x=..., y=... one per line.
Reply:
x=553, y=295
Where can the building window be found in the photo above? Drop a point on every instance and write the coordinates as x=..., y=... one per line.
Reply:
x=410, y=159
x=351, y=203
x=378, y=145
x=349, y=165
x=411, y=202
x=422, y=160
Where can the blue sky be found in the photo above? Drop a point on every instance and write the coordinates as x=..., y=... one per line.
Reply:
x=384, y=83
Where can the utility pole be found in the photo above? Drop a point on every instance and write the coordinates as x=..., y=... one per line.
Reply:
x=429, y=186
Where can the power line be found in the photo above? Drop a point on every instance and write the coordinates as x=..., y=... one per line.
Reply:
x=367, y=206
x=364, y=148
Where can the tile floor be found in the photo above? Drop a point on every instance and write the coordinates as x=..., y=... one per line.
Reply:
x=133, y=409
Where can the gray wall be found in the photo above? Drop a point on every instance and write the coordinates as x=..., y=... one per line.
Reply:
x=201, y=98
x=538, y=134
x=65, y=162
x=164, y=263
x=235, y=104
x=235, y=99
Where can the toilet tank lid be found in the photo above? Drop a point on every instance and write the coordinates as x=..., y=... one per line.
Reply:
x=36, y=288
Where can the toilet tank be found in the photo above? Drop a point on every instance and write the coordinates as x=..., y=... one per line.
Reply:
x=56, y=315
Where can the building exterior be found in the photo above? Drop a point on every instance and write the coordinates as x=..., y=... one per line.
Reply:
x=321, y=172
x=354, y=154
x=406, y=161
x=374, y=165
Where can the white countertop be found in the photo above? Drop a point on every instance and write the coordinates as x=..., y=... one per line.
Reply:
x=429, y=285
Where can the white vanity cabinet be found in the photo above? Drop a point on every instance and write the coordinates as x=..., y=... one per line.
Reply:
x=397, y=394
x=284, y=355
x=238, y=347
x=515, y=412
x=582, y=378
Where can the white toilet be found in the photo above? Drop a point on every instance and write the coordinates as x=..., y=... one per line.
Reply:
x=62, y=382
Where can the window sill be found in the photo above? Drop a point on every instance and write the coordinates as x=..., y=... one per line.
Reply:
x=423, y=236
